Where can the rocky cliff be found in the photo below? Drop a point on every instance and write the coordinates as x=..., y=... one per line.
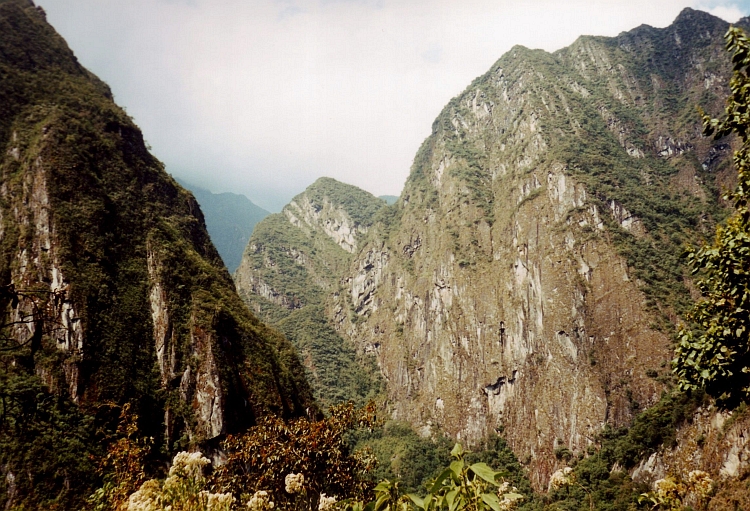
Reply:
x=528, y=279
x=292, y=265
x=111, y=288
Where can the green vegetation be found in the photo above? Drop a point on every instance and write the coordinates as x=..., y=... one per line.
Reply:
x=360, y=205
x=475, y=487
x=117, y=223
x=601, y=478
x=337, y=374
x=403, y=455
x=302, y=266
x=714, y=352
x=414, y=461
x=54, y=443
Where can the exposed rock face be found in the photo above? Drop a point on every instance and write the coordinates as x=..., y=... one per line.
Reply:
x=329, y=218
x=293, y=264
x=715, y=441
x=528, y=277
x=111, y=286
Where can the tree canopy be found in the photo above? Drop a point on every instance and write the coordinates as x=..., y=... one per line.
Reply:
x=714, y=352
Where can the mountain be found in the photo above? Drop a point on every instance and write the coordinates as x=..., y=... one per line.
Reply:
x=230, y=220
x=529, y=279
x=292, y=264
x=110, y=287
x=389, y=199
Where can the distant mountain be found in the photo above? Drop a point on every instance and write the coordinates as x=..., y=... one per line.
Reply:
x=389, y=199
x=230, y=220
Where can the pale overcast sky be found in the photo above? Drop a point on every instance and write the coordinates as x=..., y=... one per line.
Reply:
x=262, y=97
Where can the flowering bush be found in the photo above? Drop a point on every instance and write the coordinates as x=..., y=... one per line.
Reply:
x=183, y=490
x=672, y=494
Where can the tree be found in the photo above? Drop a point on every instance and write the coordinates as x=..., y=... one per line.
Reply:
x=261, y=459
x=714, y=352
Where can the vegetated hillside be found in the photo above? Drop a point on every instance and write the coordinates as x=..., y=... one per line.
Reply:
x=529, y=276
x=230, y=220
x=290, y=271
x=110, y=288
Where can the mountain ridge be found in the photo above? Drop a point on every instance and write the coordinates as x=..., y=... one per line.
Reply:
x=112, y=291
x=291, y=262
x=528, y=277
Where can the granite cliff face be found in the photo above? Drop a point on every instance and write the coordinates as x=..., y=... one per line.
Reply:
x=529, y=277
x=111, y=288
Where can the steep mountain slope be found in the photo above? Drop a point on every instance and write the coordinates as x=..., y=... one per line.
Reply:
x=230, y=220
x=111, y=288
x=291, y=267
x=529, y=276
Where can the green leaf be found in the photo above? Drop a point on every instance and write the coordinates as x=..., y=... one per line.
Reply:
x=384, y=485
x=450, y=498
x=457, y=450
x=439, y=481
x=491, y=500
x=485, y=472
x=418, y=501
x=456, y=467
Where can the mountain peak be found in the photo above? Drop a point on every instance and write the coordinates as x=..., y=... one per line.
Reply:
x=690, y=17
x=358, y=204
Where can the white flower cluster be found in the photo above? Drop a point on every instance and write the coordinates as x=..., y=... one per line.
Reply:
x=561, y=477
x=509, y=496
x=325, y=502
x=146, y=498
x=185, y=477
x=217, y=501
x=700, y=482
x=260, y=501
x=189, y=464
x=294, y=483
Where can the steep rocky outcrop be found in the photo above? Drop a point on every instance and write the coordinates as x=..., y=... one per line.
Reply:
x=293, y=263
x=528, y=279
x=111, y=288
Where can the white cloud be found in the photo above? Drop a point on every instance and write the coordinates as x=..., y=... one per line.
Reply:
x=264, y=96
x=730, y=13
